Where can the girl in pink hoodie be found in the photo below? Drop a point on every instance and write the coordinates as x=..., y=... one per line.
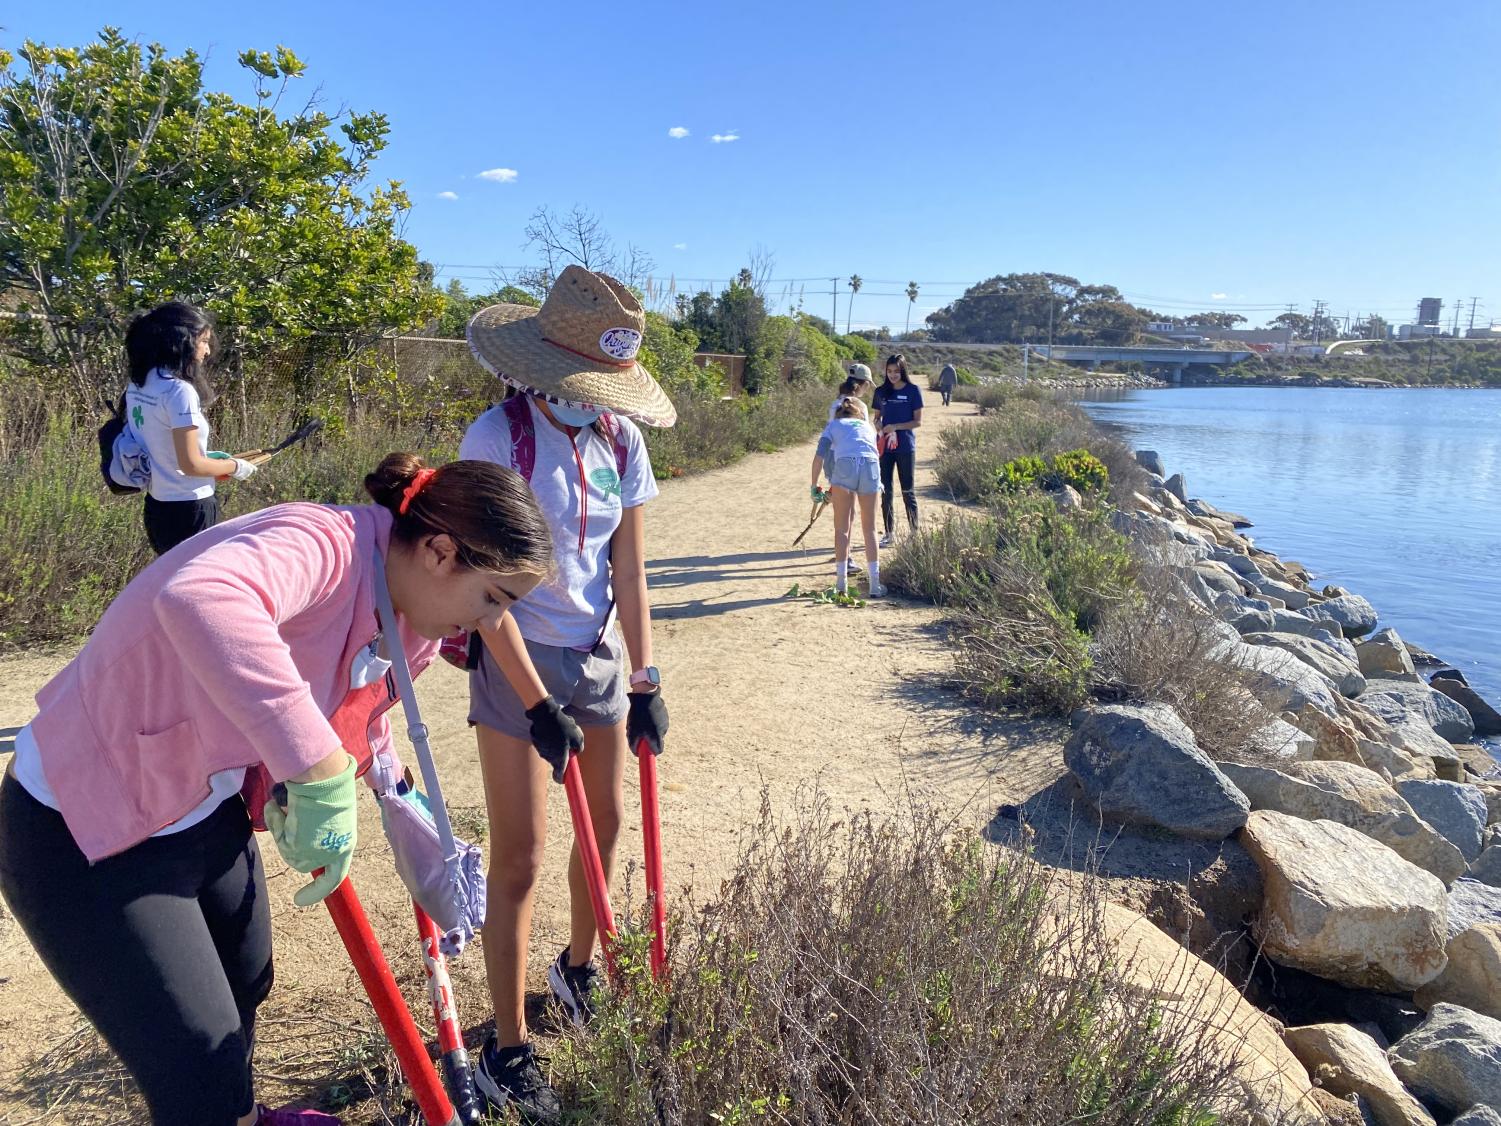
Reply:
x=126, y=851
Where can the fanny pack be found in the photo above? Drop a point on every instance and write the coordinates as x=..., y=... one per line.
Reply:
x=445, y=876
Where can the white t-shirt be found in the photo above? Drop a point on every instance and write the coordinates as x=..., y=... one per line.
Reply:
x=152, y=412
x=848, y=437
x=571, y=609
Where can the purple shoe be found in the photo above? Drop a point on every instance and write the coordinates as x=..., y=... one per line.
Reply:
x=291, y=1116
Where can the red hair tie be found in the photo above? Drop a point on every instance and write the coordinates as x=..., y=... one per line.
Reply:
x=419, y=482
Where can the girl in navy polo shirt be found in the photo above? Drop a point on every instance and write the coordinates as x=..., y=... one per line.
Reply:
x=897, y=405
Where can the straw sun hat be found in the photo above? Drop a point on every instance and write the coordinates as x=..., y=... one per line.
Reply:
x=578, y=349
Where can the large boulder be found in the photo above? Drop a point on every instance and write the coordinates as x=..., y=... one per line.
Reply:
x=1404, y=701
x=1384, y=654
x=1343, y=906
x=1177, y=486
x=1343, y=673
x=1354, y=796
x=1219, y=578
x=1452, y=1059
x=1455, y=809
x=1270, y=1087
x=1291, y=597
x=1347, y=1061
x=1151, y=461
x=1479, y=1115
x=1280, y=742
x=1281, y=681
x=1296, y=621
x=1473, y=976
x=1452, y=684
x=1140, y=765
x=1355, y=615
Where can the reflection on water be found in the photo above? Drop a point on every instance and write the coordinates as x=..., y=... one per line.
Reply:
x=1394, y=494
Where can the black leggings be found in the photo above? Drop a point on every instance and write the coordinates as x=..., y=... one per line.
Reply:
x=169, y=522
x=902, y=461
x=165, y=947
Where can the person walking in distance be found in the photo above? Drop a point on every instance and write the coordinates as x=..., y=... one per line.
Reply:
x=948, y=379
x=848, y=447
x=555, y=679
x=169, y=349
x=897, y=405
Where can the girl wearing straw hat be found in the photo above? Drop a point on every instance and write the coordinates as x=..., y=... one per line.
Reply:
x=553, y=678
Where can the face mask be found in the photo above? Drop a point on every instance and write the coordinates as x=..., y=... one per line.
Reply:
x=574, y=416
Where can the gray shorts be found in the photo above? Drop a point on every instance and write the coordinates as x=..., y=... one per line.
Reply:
x=860, y=475
x=590, y=686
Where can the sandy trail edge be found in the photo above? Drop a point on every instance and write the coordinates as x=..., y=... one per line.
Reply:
x=763, y=692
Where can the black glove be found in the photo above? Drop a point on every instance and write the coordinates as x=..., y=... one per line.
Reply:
x=647, y=720
x=555, y=735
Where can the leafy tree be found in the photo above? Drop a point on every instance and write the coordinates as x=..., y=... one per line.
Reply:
x=1219, y=319
x=1301, y=325
x=855, y=283
x=124, y=183
x=1017, y=307
x=459, y=305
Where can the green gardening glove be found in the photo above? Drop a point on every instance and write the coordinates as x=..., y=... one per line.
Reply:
x=220, y=455
x=316, y=829
x=818, y=495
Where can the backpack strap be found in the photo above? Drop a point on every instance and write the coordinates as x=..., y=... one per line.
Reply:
x=523, y=435
x=616, y=433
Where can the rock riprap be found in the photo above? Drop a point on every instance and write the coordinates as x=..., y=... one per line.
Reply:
x=1455, y=809
x=1347, y=1061
x=1452, y=1059
x=1345, y=907
x=1473, y=976
x=1140, y=765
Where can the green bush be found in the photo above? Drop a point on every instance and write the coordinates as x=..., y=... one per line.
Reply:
x=858, y=349
x=1081, y=470
x=1020, y=473
x=872, y=970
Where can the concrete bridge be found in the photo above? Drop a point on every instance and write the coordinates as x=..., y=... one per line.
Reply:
x=1168, y=361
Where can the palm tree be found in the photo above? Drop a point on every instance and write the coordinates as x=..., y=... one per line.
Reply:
x=911, y=301
x=855, y=283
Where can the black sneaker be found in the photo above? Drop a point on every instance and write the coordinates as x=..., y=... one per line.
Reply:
x=574, y=987
x=512, y=1077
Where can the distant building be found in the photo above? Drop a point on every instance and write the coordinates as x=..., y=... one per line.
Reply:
x=1416, y=332
x=1430, y=310
x=1489, y=332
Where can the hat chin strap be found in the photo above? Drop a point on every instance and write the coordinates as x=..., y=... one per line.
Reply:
x=591, y=359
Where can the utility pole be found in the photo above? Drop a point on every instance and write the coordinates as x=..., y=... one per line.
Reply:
x=1474, y=301
x=1318, y=314
x=1051, y=301
x=834, y=294
x=1457, y=305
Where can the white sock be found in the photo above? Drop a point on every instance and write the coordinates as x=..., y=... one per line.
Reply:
x=873, y=570
x=841, y=574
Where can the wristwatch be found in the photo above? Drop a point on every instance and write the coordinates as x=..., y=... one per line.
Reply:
x=648, y=675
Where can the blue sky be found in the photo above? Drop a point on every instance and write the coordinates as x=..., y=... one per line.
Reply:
x=1195, y=155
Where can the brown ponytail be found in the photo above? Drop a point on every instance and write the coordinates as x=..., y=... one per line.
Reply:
x=488, y=511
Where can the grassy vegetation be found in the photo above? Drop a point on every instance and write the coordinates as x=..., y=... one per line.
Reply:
x=1049, y=605
x=885, y=970
x=1419, y=363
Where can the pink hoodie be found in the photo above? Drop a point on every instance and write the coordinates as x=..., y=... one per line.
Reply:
x=231, y=649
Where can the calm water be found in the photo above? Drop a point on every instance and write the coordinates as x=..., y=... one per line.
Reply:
x=1393, y=494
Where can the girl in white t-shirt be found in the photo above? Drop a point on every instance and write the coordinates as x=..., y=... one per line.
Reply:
x=168, y=349
x=556, y=677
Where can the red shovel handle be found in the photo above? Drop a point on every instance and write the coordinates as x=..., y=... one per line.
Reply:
x=594, y=871
x=651, y=836
x=370, y=963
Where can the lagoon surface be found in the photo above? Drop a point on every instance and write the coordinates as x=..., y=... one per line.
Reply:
x=1395, y=495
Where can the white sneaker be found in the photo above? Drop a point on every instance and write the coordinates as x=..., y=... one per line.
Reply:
x=885, y=540
x=878, y=590
x=853, y=568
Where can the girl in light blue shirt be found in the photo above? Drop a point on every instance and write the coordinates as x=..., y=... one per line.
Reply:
x=847, y=454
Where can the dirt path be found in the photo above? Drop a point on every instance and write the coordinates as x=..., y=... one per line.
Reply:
x=763, y=691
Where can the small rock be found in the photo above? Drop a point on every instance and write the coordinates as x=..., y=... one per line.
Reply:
x=1220, y=578
x=1473, y=976
x=1402, y=701
x=1343, y=906
x=1384, y=654
x=1067, y=498
x=1486, y=719
x=1452, y=1059
x=1344, y=674
x=1487, y=869
x=1477, y=760
x=1140, y=765
x=1348, y=1062
x=1472, y=904
x=1455, y=809
x=1178, y=487
x=1338, y=1111
x=1151, y=461
x=1279, y=742
x=1478, y=1115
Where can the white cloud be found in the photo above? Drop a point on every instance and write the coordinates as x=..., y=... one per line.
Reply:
x=499, y=175
x=725, y=138
x=1218, y=296
x=680, y=246
x=448, y=195
x=677, y=132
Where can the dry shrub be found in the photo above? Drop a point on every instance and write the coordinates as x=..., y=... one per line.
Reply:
x=1165, y=648
x=888, y=970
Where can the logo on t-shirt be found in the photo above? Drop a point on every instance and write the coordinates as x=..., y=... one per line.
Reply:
x=607, y=481
x=138, y=417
